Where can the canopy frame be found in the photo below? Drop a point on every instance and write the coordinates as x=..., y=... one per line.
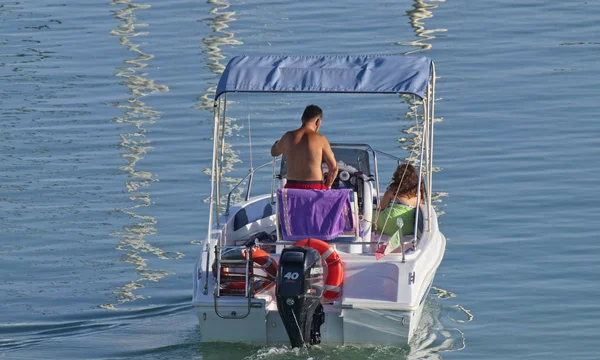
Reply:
x=219, y=115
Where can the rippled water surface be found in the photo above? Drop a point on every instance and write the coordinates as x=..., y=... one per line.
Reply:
x=105, y=141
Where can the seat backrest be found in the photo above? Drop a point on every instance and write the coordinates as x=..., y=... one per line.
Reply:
x=240, y=219
x=250, y=214
x=321, y=214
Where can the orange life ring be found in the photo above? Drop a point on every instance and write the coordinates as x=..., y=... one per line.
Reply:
x=259, y=257
x=335, y=267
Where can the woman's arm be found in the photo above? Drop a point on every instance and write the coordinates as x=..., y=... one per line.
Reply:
x=385, y=200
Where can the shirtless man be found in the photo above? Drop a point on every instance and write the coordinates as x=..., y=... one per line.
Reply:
x=305, y=151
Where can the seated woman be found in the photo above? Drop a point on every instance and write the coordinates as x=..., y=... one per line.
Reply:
x=399, y=200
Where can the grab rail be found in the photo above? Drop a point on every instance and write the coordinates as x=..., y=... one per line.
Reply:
x=338, y=242
x=250, y=177
x=389, y=155
x=343, y=242
x=248, y=281
x=374, y=153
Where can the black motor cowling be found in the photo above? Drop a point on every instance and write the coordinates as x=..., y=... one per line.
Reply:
x=299, y=290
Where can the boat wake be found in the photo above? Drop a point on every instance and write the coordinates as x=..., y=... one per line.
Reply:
x=20, y=336
x=436, y=335
x=330, y=353
x=437, y=332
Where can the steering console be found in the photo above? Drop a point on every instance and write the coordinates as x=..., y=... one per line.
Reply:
x=350, y=178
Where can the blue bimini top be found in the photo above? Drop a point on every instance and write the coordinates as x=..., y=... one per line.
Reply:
x=327, y=74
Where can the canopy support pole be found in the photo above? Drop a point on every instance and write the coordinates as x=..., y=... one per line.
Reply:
x=222, y=153
x=432, y=120
x=213, y=171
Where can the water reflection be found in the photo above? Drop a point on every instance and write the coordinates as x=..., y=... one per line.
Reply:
x=412, y=143
x=137, y=115
x=422, y=10
x=434, y=335
x=212, y=48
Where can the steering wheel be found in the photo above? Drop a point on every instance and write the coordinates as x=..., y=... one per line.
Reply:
x=345, y=180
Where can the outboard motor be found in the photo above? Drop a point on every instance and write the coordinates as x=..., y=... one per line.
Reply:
x=299, y=290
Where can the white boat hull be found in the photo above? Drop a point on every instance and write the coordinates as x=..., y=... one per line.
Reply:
x=350, y=326
x=379, y=301
x=382, y=300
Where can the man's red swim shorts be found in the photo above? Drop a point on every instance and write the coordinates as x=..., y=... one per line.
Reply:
x=306, y=185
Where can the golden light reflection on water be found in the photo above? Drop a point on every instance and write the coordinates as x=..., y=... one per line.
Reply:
x=422, y=10
x=433, y=338
x=412, y=143
x=135, y=145
x=212, y=48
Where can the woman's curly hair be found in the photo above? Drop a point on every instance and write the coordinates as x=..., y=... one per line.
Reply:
x=405, y=181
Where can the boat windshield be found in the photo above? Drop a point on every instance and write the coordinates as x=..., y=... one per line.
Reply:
x=357, y=158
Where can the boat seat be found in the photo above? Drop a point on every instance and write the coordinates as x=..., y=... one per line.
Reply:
x=268, y=211
x=320, y=214
x=241, y=218
x=420, y=222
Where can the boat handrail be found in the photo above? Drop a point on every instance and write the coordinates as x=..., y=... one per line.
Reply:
x=248, y=176
x=273, y=161
x=374, y=152
x=389, y=155
x=368, y=148
x=335, y=241
x=248, y=281
x=342, y=242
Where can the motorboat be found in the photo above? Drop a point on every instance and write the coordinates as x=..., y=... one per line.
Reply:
x=305, y=267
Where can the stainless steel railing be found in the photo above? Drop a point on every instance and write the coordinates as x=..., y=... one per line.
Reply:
x=249, y=177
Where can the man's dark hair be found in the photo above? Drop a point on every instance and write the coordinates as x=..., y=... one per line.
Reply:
x=310, y=113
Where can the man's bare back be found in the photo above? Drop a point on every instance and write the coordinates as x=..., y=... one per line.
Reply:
x=305, y=151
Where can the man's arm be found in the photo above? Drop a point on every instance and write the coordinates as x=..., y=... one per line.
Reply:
x=278, y=147
x=329, y=159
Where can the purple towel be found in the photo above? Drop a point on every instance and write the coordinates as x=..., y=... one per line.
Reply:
x=314, y=213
